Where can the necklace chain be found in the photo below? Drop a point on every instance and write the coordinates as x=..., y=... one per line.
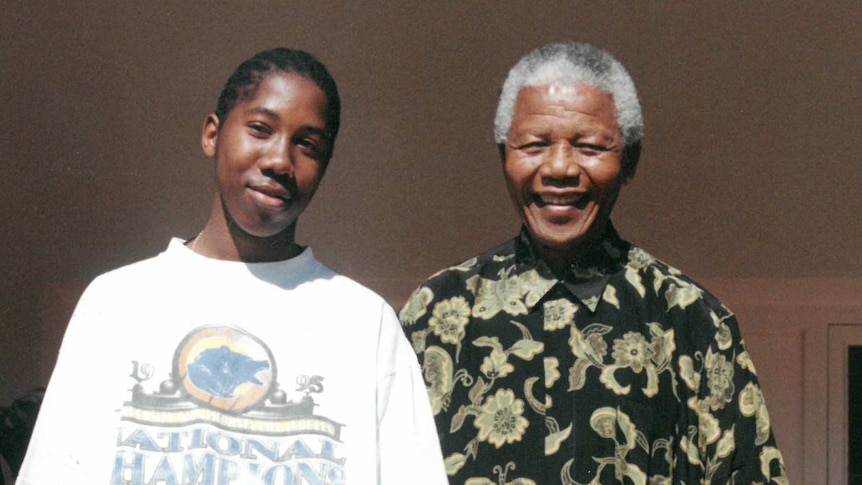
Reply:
x=294, y=248
x=193, y=246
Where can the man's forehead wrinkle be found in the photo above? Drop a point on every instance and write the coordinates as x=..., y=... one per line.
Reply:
x=560, y=71
x=557, y=106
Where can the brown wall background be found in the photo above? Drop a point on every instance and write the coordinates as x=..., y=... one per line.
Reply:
x=750, y=167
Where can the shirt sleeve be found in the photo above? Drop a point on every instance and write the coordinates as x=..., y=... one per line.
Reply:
x=408, y=442
x=61, y=445
x=729, y=437
x=438, y=366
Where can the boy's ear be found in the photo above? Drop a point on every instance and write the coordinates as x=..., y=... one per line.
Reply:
x=209, y=135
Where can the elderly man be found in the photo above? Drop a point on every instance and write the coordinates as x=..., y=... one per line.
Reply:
x=567, y=355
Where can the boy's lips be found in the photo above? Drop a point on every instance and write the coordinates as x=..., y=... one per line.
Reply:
x=270, y=195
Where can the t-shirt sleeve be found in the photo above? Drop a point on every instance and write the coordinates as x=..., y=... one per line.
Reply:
x=61, y=445
x=408, y=442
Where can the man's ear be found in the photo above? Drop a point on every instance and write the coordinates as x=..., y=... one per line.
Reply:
x=501, y=150
x=209, y=135
x=630, y=174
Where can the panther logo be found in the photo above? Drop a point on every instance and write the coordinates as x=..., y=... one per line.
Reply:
x=221, y=371
x=224, y=368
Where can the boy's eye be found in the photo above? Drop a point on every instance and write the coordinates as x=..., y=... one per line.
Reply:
x=259, y=129
x=314, y=146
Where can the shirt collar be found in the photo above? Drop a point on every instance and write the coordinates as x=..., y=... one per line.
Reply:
x=588, y=278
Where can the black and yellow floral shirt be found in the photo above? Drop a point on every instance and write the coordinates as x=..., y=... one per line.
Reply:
x=624, y=372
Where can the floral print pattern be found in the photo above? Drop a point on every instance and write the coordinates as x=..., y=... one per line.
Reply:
x=559, y=314
x=624, y=371
x=448, y=320
x=500, y=420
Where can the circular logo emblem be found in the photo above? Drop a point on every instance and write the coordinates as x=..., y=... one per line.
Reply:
x=224, y=368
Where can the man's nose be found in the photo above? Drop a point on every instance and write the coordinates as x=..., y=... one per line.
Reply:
x=562, y=162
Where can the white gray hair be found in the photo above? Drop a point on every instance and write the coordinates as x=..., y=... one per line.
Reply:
x=571, y=63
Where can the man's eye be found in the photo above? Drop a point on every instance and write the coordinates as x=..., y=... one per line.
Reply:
x=533, y=147
x=588, y=149
x=307, y=143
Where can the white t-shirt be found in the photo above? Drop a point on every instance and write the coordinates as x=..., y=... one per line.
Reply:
x=182, y=369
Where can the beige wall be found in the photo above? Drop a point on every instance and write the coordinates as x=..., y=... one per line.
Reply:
x=749, y=169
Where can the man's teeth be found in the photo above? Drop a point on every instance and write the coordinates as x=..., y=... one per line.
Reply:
x=557, y=199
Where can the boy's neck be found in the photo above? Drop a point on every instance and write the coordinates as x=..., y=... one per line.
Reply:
x=222, y=239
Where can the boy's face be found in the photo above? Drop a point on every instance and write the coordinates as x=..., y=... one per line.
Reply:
x=271, y=152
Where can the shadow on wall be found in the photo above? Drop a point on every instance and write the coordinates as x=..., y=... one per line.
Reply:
x=16, y=426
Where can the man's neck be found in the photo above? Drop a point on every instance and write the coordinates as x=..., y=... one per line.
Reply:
x=562, y=261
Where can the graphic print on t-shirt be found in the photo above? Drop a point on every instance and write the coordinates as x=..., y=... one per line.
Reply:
x=221, y=418
x=224, y=368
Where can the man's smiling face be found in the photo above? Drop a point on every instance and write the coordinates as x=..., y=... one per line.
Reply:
x=563, y=167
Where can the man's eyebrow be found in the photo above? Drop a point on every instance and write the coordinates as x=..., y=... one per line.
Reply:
x=322, y=132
